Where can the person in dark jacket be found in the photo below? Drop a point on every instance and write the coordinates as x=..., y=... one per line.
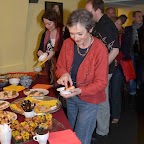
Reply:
x=132, y=48
x=117, y=81
x=106, y=31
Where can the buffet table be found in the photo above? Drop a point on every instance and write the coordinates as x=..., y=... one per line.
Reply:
x=59, y=115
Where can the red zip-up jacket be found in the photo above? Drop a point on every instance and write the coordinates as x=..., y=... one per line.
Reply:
x=92, y=75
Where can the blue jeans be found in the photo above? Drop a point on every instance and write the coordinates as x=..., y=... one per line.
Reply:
x=132, y=87
x=132, y=83
x=82, y=117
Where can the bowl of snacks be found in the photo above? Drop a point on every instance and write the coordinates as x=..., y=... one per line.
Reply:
x=3, y=82
x=14, y=81
x=26, y=82
x=25, y=77
x=37, y=69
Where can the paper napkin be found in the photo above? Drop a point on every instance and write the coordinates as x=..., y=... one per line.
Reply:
x=42, y=86
x=63, y=137
x=14, y=88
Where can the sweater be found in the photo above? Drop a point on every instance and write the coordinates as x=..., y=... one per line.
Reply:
x=92, y=75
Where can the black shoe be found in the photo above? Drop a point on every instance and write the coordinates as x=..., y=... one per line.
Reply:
x=132, y=102
x=99, y=139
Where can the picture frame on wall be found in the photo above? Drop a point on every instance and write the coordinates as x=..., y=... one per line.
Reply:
x=58, y=7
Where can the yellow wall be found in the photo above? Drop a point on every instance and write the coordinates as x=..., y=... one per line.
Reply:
x=34, y=27
x=13, y=15
x=20, y=31
x=128, y=12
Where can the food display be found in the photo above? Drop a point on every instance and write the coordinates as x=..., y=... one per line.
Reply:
x=7, y=117
x=4, y=105
x=27, y=105
x=3, y=82
x=17, y=74
x=33, y=92
x=8, y=95
x=45, y=105
x=70, y=88
x=24, y=131
x=65, y=91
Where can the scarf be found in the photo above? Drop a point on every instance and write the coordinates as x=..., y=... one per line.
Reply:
x=135, y=32
x=47, y=37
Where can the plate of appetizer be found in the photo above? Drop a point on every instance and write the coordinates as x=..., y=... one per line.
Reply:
x=36, y=92
x=7, y=117
x=46, y=104
x=4, y=105
x=23, y=132
x=4, y=95
x=65, y=91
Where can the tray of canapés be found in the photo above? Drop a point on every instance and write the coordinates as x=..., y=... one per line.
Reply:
x=17, y=74
x=24, y=131
x=4, y=95
x=7, y=117
x=38, y=92
x=45, y=104
x=4, y=105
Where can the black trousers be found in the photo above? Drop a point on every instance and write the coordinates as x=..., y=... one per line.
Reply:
x=116, y=85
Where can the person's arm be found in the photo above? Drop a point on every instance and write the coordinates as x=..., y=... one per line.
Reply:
x=112, y=41
x=50, y=54
x=112, y=55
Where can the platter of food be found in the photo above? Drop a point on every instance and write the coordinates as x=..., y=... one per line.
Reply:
x=44, y=104
x=4, y=95
x=36, y=92
x=18, y=74
x=4, y=105
x=7, y=117
x=24, y=131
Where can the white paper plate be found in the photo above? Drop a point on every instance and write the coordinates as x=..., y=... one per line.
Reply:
x=42, y=57
x=40, y=90
x=60, y=89
x=4, y=105
x=2, y=97
x=65, y=92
